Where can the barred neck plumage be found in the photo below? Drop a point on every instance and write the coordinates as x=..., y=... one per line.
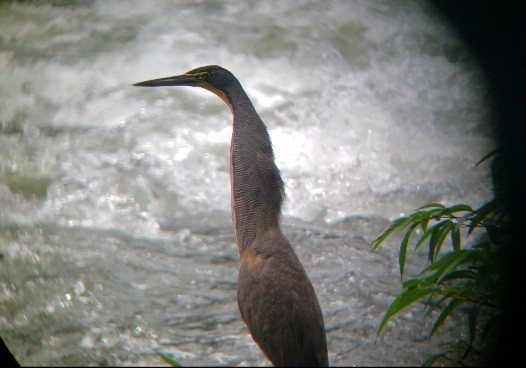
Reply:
x=257, y=187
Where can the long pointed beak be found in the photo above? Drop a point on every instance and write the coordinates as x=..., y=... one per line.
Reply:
x=193, y=80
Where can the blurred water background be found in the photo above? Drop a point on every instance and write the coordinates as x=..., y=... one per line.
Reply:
x=115, y=231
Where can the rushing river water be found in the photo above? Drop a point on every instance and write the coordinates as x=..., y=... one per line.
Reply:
x=115, y=230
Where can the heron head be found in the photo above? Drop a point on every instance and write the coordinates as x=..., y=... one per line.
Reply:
x=214, y=78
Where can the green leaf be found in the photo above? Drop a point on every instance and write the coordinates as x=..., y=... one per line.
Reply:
x=482, y=213
x=432, y=244
x=399, y=223
x=443, y=315
x=168, y=360
x=419, y=216
x=449, y=261
x=426, y=235
x=404, y=299
x=462, y=274
x=423, y=224
x=432, y=205
x=488, y=155
x=420, y=282
x=437, y=238
x=455, y=238
x=412, y=283
x=458, y=208
x=403, y=249
x=461, y=220
x=437, y=213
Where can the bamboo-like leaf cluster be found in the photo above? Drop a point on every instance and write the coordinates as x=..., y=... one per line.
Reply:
x=463, y=278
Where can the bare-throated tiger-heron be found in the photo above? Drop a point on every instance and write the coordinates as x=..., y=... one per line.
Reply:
x=274, y=294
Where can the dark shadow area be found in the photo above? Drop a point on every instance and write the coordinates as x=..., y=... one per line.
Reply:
x=495, y=33
x=8, y=360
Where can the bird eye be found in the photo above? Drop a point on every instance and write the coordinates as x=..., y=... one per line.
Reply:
x=204, y=76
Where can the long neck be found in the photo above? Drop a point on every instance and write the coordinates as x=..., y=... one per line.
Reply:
x=257, y=187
